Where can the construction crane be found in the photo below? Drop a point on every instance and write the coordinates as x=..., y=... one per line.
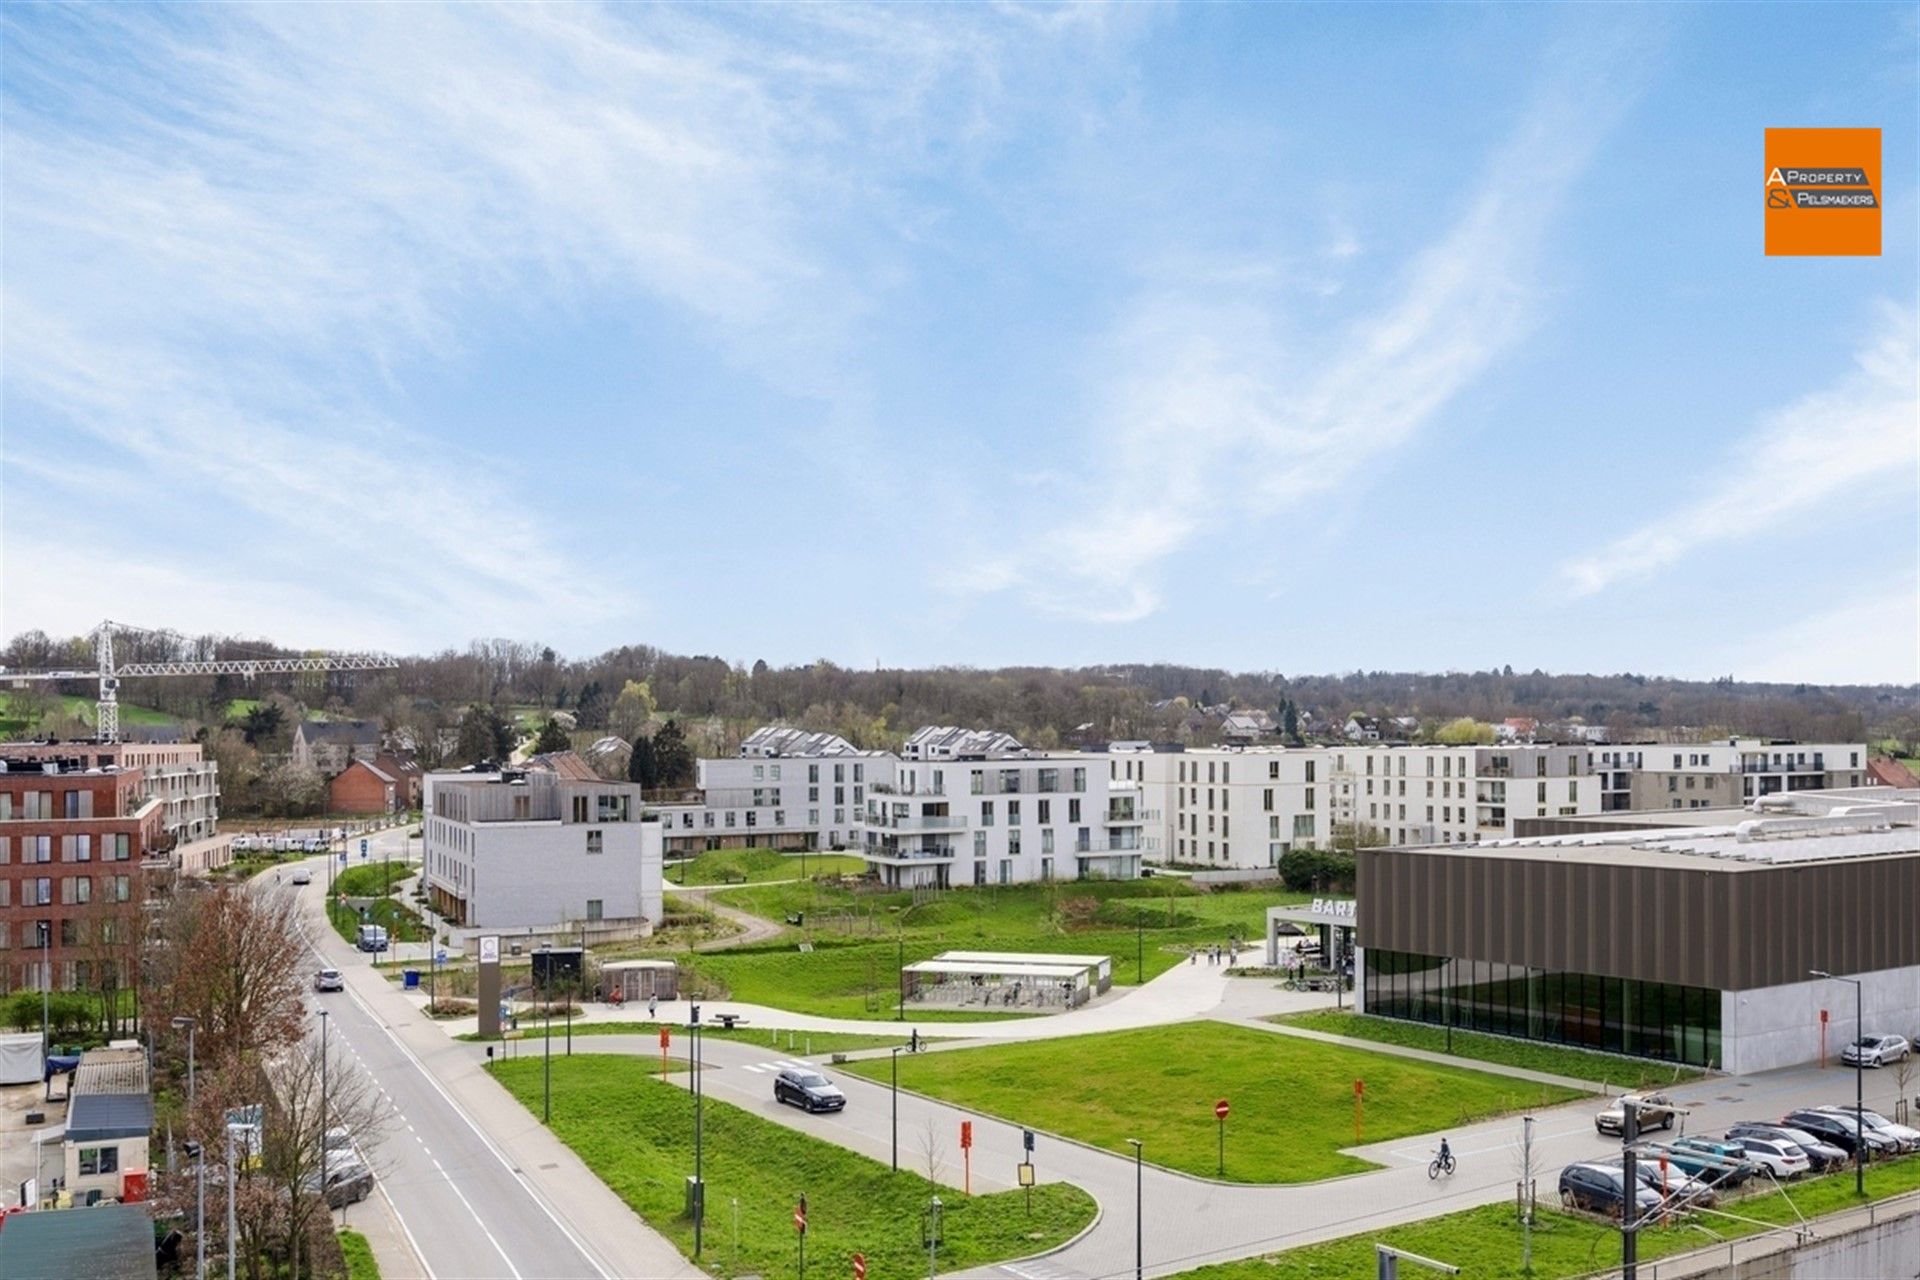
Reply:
x=109, y=673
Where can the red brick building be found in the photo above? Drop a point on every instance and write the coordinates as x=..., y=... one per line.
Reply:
x=73, y=842
x=386, y=784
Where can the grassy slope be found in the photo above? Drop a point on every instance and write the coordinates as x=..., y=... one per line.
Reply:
x=1580, y=1064
x=366, y=880
x=1488, y=1241
x=637, y=1135
x=854, y=975
x=758, y=865
x=1292, y=1099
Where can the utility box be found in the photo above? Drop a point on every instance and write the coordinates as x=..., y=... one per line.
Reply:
x=696, y=1196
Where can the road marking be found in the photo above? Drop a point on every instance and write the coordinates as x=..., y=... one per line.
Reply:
x=756, y=1070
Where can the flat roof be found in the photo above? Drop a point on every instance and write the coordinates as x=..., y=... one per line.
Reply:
x=98, y=1117
x=1026, y=957
x=970, y=968
x=1754, y=844
x=105, y=1242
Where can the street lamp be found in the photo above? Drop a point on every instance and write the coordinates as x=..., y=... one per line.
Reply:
x=900, y=978
x=1859, y=1086
x=46, y=987
x=896, y=1106
x=1139, y=1233
x=546, y=990
x=187, y=1024
x=933, y=1237
x=1139, y=946
x=199, y=1155
x=230, y=1179
x=323, y=1113
x=699, y=1183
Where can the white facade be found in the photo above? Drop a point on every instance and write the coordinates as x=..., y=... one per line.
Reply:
x=1006, y=819
x=1730, y=771
x=777, y=802
x=538, y=850
x=1243, y=808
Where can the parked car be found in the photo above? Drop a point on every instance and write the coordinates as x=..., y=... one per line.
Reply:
x=1842, y=1131
x=1724, y=1164
x=328, y=979
x=1905, y=1137
x=349, y=1181
x=241, y=844
x=1876, y=1051
x=1656, y=1112
x=1599, y=1188
x=1776, y=1155
x=808, y=1090
x=1681, y=1189
x=1821, y=1155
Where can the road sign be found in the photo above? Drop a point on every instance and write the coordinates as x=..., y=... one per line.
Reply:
x=1220, y=1109
x=440, y=956
x=1026, y=1139
x=859, y=1266
x=1359, y=1088
x=800, y=1216
x=1823, y=1015
x=966, y=1134
x=364, y=845
x=666, y=1037
x=1026, y=1175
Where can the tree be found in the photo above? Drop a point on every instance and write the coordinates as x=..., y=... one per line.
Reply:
x=233, y=961
x=551, y=738
x=632, y=710
x=1465, y=731
x=292, y=789
x=592, y=706
x=1290, y=720
x=673, y=757
x=484, y=735
x=643, y=767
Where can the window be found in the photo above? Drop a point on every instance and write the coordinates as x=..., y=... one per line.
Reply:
x=1309, y=799
x=986, y=813
x=1073, y=811
x=95, y=1161
x=1006, y=871
x=1303, y=826
x=1013, y=841
x=579, y=808
x=594, y=842
x=1273, y=768
x=773, y=772
x=1266, y=800
x=979, y=844
x=595, y=908
x=813, y=773
x=1310, y=771
x=1013, y=813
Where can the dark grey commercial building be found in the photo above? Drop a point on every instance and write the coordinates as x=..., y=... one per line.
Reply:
x=1686, y=941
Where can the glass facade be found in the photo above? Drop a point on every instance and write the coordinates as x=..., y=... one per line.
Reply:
x=1616, y=1015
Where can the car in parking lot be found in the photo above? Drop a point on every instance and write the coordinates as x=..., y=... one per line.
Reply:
x=1905, y=1137
x=808, y=1090
x=1876, y=1051
x=329, y=979
x=1776, y=1155
x=1680, y=1189
x=241, y=844
x=1842, y=1131
x=1821, y=1154
x=1599, y=1188
x=1656, y=1112
x=1724, y=1164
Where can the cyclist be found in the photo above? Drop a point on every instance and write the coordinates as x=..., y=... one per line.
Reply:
x=1446, y=1155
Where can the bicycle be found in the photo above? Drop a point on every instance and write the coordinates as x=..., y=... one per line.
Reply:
x=1442, y=1163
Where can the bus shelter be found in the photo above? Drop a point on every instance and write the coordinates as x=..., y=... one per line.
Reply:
x=1100, y=966
x=1006, y=984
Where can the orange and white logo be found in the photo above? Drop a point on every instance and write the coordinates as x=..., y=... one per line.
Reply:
x=1823, y=192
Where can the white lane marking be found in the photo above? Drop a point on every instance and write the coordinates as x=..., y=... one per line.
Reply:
x=756, y=1070
x=534, y=1192
x=406, y=1231
x=796, y=1066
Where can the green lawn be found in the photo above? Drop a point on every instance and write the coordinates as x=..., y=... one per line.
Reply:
x=853, y=970
x=371, y=879
x=781, y=1041
x=359, y=1256
x=1487, y=1241
x=637, y=1135
x=403, y=923
x=1580, y=1064
x=79, y=708
x=1291, y=1099
x=757, y=865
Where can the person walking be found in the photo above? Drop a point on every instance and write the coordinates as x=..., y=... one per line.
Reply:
x=653, y=1007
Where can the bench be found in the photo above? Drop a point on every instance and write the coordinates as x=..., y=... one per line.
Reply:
x=734, y=877
x=728, y=1021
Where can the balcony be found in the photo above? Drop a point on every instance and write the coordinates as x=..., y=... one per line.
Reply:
x=1816, y=765
x=1130, y=843
x=1122, y=813
x=921, y=822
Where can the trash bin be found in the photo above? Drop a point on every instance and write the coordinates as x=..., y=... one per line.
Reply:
x=410, y=979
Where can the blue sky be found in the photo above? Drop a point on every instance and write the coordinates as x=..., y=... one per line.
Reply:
x=1281, y=337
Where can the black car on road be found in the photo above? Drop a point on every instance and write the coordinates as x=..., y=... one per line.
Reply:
x=808, y=1090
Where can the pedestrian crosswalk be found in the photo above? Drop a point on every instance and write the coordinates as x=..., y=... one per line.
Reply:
x=775, y=1067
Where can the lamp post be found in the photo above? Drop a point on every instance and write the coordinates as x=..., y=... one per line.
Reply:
x=1859, y=1086
x=46, y=987
x=187, y=1024
x=699, y=1184
x=199, y=1155
x=323, y=1112
x=1139, y=946
x=900, y=979
x=230, y=1175
x=896, y=1107
x=546, y=990
x=933, y=1237
x=1139, y=1232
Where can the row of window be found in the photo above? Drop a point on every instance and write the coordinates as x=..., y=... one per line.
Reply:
x=1617, y=1015
x=75, y=802
x=772, y=772
x=112, y=847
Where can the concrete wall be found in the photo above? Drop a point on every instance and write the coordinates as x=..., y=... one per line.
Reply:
x=1887, y=1248
x=1780, y=1026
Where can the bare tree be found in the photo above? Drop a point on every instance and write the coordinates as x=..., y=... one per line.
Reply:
x=934, y=1151
x=229, y=959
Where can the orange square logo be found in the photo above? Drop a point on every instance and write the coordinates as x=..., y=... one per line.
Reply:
x=1823, y=192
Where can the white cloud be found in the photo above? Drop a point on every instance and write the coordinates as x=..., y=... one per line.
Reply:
x=1873, y=638
x=1850, y=443
x=232, y=230
x=1219, y=408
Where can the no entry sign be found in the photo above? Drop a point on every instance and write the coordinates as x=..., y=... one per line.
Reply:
x=1220, y=1109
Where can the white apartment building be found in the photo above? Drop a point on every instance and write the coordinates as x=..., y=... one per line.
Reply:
x=953, y=818
x=787, y=789
x=1726, y=773
x=1243, y=808
x=539, y=849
